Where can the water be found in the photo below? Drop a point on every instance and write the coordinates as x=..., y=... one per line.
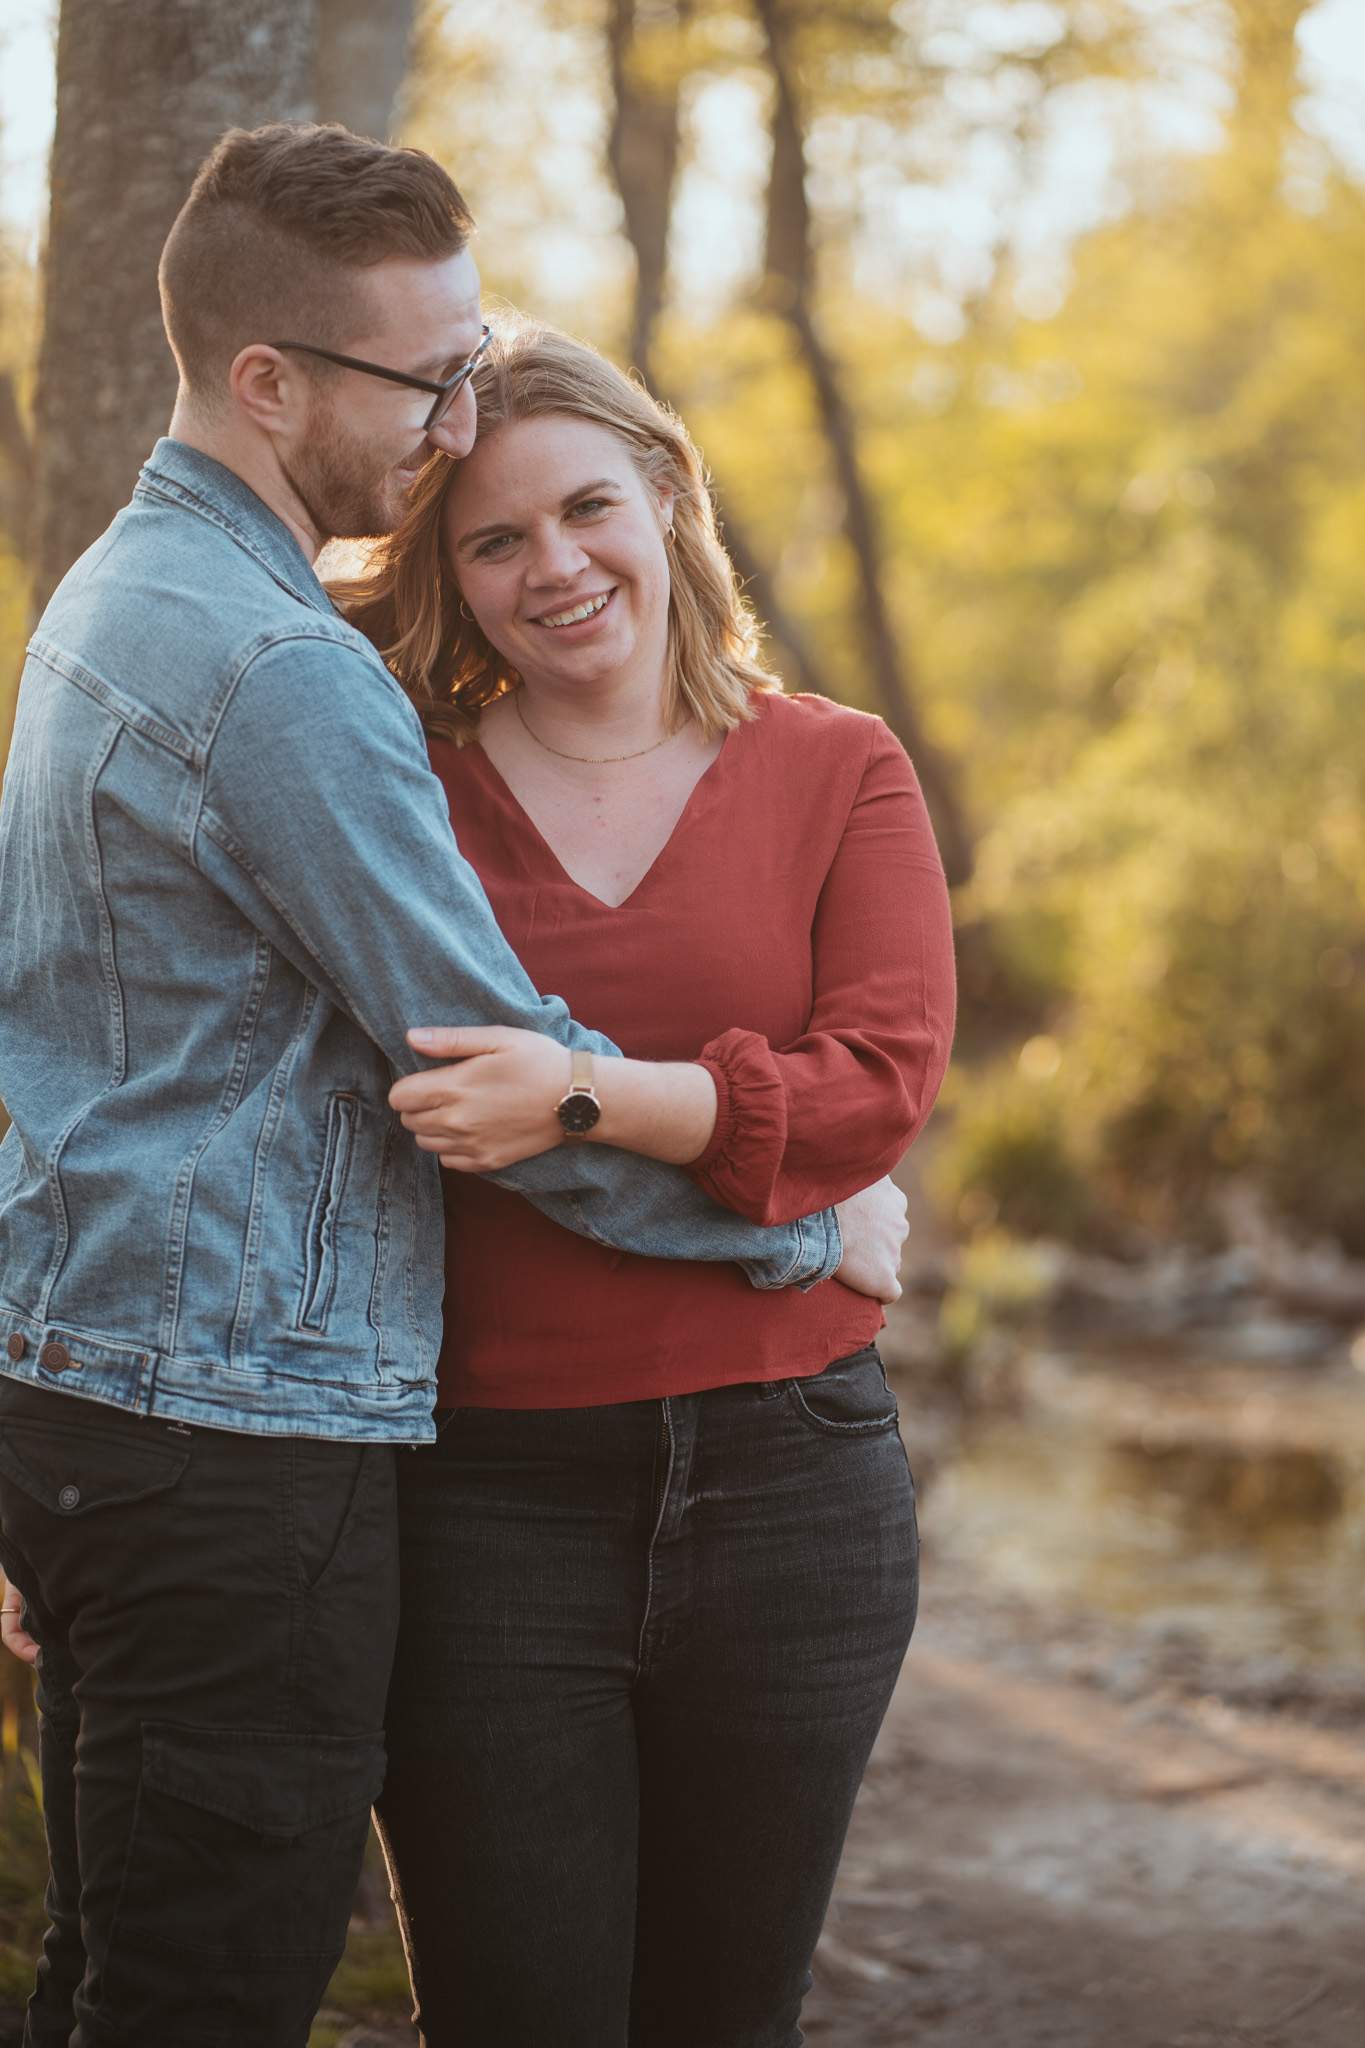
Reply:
x=1223, y=1503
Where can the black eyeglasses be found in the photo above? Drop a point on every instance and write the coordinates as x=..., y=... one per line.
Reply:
x=446, y=393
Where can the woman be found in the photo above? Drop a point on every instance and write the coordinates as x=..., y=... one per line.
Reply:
x=660, y=1566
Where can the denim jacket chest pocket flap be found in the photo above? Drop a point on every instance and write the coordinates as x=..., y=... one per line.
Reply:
x=71, y=1470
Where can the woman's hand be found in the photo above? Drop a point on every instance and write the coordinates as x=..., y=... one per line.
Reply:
x=494, y=1106
x=12, y=1632
x=874, y=1226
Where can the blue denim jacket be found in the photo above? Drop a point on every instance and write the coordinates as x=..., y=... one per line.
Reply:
x=228, y=886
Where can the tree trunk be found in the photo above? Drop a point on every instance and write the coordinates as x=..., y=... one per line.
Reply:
x=144, y=89
x=16, y=472
x=643, y=155
x=362, y=62
x=642, y=150
x=788, y=286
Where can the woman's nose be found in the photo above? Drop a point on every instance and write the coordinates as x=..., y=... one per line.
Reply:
x=556, y=557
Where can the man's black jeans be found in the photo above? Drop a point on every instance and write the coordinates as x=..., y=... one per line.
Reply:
x=216, y=1615
x=644, y=1653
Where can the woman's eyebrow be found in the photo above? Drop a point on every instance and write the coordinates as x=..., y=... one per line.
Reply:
x=601, y=483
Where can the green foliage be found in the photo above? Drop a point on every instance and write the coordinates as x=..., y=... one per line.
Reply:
x=999, y=1284
x=23, y=1866
x=370, y=1983
x=1011, y=1157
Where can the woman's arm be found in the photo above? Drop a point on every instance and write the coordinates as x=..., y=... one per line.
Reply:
x=803, y=1125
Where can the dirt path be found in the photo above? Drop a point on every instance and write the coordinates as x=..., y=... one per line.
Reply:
x=1036, y=1861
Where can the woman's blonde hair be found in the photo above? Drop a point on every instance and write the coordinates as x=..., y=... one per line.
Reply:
x=408, y=601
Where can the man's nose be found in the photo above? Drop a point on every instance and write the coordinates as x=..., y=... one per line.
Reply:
x=455, y=431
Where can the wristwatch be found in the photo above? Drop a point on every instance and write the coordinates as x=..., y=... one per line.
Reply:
x=580, y=1109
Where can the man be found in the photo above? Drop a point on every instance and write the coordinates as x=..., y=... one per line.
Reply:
x=227, y=890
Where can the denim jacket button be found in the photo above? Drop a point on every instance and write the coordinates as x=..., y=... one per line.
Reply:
x=69, y=1497
x=17, y=1346
x=54, y=1357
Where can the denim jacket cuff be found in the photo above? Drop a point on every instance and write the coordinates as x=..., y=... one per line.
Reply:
x=817, y=1252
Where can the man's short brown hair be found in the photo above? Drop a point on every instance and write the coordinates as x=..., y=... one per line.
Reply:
x=280, y=225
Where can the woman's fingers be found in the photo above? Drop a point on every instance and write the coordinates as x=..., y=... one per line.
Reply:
x=416, y=1093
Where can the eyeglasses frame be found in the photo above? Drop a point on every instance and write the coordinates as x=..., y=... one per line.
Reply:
x=447, y=392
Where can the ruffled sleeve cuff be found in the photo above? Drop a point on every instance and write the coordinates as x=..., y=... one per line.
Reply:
x=741, y=1165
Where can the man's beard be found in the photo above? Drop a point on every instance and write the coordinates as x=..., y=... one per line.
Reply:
x=346, y=496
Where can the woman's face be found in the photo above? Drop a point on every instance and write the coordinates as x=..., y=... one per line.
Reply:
x=558, y=547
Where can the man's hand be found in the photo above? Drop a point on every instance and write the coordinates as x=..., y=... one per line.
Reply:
x=874, y=1227
x=12, y=1634
x=495, y=1106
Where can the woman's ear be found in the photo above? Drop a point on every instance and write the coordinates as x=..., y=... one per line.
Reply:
x=667, y=502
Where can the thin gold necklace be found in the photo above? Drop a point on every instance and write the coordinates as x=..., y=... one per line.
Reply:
x=589, y=760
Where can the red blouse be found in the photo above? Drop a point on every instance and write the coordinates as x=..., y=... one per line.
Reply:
x=794, y=935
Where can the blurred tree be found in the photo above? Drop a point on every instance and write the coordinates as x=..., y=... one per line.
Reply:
x=647, y=65
x=789, y=285
x=144, y=88
x=363, y=49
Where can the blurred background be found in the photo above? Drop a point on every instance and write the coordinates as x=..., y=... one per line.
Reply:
x=1026, y=342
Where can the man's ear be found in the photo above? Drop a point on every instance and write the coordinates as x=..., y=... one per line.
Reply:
x=269, y=389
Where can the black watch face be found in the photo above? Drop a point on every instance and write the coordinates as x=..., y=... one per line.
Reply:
x=578, y=1113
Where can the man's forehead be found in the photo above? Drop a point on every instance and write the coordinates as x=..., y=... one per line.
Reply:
x=429, y=310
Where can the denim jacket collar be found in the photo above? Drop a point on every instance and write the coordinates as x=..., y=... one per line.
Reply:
x=203, y=485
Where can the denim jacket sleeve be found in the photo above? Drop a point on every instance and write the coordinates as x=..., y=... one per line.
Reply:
x=320, y=818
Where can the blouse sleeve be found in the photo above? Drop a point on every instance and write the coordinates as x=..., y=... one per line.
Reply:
x=802, y=1126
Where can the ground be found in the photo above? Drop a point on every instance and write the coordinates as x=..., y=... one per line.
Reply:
x=1037, y=1860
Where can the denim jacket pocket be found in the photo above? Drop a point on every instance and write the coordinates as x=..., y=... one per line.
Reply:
x=320, y=1239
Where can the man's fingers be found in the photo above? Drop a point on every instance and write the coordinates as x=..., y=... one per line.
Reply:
x=14, y=1636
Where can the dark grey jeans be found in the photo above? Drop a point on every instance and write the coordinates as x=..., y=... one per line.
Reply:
x=216, y=1614
x=645, y=1650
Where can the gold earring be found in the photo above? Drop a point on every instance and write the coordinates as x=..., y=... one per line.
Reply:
x=669, y=534
x=465, y=612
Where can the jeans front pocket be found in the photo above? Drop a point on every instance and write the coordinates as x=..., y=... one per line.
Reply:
x=239, y=1881
x=849, y=1398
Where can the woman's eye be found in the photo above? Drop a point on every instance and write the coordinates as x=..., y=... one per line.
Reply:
x=493, y=546
x=593, y=505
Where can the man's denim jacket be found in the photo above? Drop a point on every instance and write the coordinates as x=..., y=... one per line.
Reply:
x=228, y=886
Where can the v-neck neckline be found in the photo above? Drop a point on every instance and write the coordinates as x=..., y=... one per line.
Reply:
x=679, y=822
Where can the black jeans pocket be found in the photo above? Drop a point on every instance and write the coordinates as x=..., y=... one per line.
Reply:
x=239, y=1881
x=72, y=1469
x=849, y=1398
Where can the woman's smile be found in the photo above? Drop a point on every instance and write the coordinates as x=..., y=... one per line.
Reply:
x=578, y=619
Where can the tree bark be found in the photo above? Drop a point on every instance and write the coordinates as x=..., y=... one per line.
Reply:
x=144, y=89
x=16, y=472
x=362, y=62
x=788, y=287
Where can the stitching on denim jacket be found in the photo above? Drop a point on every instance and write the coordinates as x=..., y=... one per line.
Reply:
x=112, y=700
